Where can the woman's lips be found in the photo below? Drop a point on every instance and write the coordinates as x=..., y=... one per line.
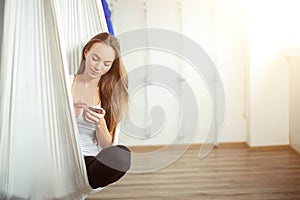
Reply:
x=95, y=72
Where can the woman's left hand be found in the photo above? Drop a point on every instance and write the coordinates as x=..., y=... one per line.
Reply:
x=93, y=117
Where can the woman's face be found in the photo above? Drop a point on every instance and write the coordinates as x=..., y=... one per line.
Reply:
x=98, y=60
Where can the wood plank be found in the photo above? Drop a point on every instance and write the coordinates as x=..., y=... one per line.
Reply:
x=230, y=171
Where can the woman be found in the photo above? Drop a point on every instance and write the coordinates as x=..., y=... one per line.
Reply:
x=101, y=82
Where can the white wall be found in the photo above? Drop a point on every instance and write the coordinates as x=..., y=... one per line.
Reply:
x=268, y=76
x=221, y=31
x=244, y=39
x=231, y=45
x=146, y=14
x=151, y=12
x=294, y=102
x=198, y=23
x=292, y=52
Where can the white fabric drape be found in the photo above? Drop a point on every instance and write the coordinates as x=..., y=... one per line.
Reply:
x=40, y=157
x=81, y=20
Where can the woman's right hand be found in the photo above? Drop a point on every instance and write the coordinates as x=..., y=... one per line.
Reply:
x=79, y=106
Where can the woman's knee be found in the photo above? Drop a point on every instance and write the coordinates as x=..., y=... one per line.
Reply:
x=123, y=155
x=117, y=157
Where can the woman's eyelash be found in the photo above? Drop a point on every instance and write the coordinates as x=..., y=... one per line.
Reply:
x=95, y=59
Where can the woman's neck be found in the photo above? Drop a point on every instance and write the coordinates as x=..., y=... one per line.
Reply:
x=86, y=81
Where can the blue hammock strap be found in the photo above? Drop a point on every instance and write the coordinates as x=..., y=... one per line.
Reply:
x=107, y=14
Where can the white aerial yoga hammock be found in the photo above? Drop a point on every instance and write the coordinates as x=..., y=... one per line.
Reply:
x=81, y=20
x=40, y=157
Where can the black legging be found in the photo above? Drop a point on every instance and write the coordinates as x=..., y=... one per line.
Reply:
x=108, y=166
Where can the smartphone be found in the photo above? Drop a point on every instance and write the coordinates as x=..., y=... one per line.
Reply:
x=97, y=110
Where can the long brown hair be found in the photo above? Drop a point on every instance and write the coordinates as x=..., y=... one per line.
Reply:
x=113, y=86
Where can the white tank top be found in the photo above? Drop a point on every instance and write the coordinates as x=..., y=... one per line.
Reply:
x=86, y=131
x=87, y=137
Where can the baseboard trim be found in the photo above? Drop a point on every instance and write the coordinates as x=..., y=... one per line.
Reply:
x=149, y=148
x=269, y=148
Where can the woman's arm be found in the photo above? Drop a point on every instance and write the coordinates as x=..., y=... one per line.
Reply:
x=103, y=136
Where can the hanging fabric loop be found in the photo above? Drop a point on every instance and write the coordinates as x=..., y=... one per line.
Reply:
x=40, y=157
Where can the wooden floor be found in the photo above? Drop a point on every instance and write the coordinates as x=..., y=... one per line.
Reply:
x=230, y=173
